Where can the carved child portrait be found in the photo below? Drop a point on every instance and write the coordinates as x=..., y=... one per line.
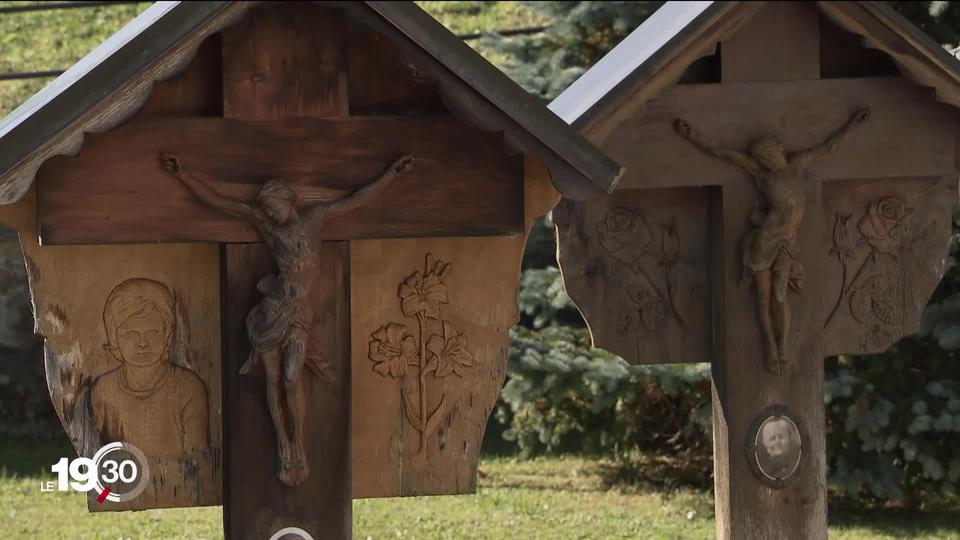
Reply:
x=778, y=447
x=148, y=400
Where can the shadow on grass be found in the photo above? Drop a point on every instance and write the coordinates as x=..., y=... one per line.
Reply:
x=22, y=456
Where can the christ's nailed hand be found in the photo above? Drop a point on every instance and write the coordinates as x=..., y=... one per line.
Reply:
x=404, y=164
x=171, y=163
x=862, y=115
x=682, y=127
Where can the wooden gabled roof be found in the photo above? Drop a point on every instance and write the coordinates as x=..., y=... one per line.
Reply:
x=654, y=55
x=110, y=84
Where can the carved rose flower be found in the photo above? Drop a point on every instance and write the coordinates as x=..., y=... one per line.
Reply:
x=423, y=293
x=624, y=234
x=450, y=352
x=882, y=225
x=392, y=349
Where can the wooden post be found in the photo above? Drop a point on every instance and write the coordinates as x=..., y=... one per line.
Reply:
x=745, y=506
x=279, y=64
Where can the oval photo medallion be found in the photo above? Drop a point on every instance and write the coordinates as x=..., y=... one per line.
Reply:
x=774, y=447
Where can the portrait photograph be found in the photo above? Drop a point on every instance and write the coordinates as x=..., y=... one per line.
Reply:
x=777, y=447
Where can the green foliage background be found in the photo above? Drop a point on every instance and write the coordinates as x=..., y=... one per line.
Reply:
x=893, y=419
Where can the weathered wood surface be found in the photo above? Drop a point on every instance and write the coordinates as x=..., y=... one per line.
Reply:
x=170, y=409
x=116, y=108
x=294, y=62
x=198, y=91
x=872, y=241
x=467, y=330
x=464, y=183
x=802, y=114
x=373, y=60
x=636, y=263
x=256, y=503
x=744, y=388
x=883, y=256
x=783, y=30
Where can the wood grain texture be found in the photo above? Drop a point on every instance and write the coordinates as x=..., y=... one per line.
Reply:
x=746, y=505
x=783, y=29
x=482, y=305
x=69, y=287
x=198, y=91
x=256, y=503
x=463, y=182
x=635, y=263
x=802, y=114
x=883, y=252
x=746, y=508
x=285, y=61
x=372, y=59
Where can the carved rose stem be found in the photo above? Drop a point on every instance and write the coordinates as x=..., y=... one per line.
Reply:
x=673, y=307
x=653, y=285
x=422, y=383
x=845, y=288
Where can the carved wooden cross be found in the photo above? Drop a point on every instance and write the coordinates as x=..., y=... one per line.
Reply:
x=708, y=251
x=320, y=260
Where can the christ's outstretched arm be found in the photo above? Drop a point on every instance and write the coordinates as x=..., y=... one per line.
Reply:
x=743, y=161
x=323, y=211
x=833, y=143
x=204, y=192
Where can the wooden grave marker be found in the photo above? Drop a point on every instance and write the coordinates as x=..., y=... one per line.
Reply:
x=780, y=205
x=309, y=217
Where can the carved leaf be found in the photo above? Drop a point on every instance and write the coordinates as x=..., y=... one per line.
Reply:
x=436, y=416
x=408, y=410
x=860, y=306
x=885, y=310
x=651, y=305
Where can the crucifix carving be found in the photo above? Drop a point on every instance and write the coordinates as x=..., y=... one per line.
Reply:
x=866, y=228
x=279, y=326
x=770, y=248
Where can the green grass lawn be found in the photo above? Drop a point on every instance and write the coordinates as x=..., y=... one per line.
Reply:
x=545, y=498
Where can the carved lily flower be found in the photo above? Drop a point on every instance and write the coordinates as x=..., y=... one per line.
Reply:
x=842, y=243
x=624, y=234
x=423, y=293
x=670, y=245
x=392, y=349
x=450, y=352
x=883, y=225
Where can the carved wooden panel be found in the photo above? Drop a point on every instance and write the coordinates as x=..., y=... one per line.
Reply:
x=635, y=263
x=100, y=195
x=444, y=305
x=430, y=345
x=132, y=354
x=883, y=259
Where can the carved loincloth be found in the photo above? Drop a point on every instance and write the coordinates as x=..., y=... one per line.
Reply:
x=277, y=321
x=774, y=252
x=271, y=320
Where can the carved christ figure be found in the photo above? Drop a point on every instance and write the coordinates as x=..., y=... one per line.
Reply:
x=279, y=326
x=770, y=248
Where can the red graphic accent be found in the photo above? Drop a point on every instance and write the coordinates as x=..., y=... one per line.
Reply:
x=103, y=496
